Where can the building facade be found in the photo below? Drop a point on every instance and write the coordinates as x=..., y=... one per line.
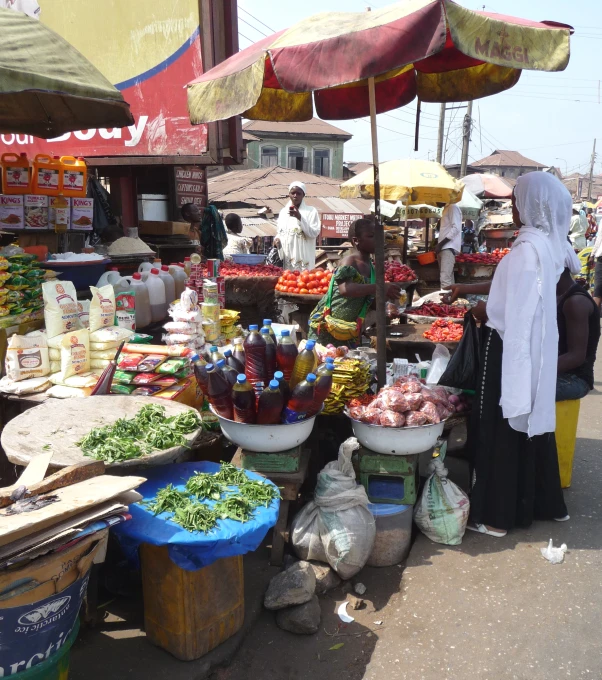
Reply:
x=312, y=146
x=508, y=164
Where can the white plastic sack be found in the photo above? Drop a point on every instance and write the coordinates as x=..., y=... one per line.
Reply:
x=441, y=357
x=336, y=527
x=442, y=511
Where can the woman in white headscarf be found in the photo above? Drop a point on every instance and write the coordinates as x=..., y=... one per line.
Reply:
x=515, y=463
x=298, y=229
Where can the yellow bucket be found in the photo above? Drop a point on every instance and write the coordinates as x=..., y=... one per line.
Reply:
x=567, y=417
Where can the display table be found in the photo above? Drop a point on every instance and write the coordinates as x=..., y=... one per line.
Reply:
x=252, y=296
x=289, y=484
x=305, y=305
x=404, y=341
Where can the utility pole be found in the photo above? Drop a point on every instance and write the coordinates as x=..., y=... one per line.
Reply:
x=591, y=174
x=466, y=139
x=441, y=133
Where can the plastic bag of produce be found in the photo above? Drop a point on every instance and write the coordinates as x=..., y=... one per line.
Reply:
x=439, y=363
x=463, y=368
x=336, y=527
x=392, y=419
x=442, y=511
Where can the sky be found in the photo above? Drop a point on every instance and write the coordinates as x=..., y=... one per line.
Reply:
x=552, y=118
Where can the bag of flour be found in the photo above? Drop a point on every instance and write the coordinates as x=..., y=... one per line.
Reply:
x=75, y=353
x=61, y=313
x=26, y=358
x=102, y=308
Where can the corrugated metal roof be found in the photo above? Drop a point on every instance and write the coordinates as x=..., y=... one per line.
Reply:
x=257, y=226
x=500, y=158
x=315, y=126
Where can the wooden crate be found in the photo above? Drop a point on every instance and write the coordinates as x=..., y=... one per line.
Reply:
x=159, y=228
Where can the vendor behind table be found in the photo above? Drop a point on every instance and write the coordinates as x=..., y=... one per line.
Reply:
x=450, y=243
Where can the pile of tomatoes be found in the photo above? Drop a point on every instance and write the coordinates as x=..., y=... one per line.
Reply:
x=444, y=331
x=396, y=272
x=231, y=269
x=314, y=282
x=493, y=257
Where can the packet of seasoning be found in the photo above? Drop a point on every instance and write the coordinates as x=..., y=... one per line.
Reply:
x=150, y=363
x=122, y=389
x=184, y=373
x=144, y=378
x=165, y=381
x=173, y=366
x=129, y=362
x=173, y=391
x=141, y=338
x=123, y=377
x=148, y=391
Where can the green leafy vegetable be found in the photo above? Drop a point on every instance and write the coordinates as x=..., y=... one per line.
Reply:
x=258, y=493
x=230, y=475
x=149, y=430
x=203, y=485
x=237, y=507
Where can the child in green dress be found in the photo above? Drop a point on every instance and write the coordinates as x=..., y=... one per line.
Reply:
x=353, y=287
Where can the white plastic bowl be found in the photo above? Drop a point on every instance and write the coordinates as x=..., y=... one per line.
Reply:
x=266, y=438
x=396, y=441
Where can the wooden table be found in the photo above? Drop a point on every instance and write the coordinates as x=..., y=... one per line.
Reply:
x=411, y=342
x=289, y=484
x=57, y=424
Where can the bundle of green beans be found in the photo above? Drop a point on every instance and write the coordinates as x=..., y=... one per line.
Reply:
x=149, y=430
x=236, y=495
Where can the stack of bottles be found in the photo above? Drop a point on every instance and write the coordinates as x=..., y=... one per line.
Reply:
x=185, y=330
x=264, y=381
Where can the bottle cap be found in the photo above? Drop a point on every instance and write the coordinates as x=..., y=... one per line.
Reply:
x=228, y=353
x=285, y=334
x=254, y=327
x=221, y=363
x=114, y=269
x=209, y=367
x=154, y=271
x=194, y=357
x=310, y=344
x=274, y=384
x=137, y=276
x=311, y=377
x=213, y=348
x=186, y=259
x=265, y=331
x=267, y=322
x=279, y=375
x=241, y=378
x=164, y=268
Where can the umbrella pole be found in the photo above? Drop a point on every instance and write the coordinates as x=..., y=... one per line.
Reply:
x=379, y=239
x=405, y=237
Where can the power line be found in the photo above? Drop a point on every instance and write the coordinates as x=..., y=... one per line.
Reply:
x=256, y=19
x=265, y=35
x=242, y=35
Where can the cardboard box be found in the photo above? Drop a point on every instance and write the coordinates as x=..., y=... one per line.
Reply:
x=36, y=211
x=158, y=228
x=59, y=208
x=82, y=213
x=12, y=214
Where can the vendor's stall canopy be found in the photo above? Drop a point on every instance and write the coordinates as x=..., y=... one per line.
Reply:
x=470, y=205
x=486, y=185
x=398, y=210
x=410, y=181
x=47, y=87
x=435, y=50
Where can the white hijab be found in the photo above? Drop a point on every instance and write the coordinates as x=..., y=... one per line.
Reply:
x=522, y=303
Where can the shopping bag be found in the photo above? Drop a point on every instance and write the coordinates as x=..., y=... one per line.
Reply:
x=274, y=258
x=463, y=368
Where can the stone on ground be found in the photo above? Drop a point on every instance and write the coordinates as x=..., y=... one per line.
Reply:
x=294, y=586
x=326, y=578
x=304, y=619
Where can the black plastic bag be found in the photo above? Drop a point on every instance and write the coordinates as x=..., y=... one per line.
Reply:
x=463, y=368
x=274, y=258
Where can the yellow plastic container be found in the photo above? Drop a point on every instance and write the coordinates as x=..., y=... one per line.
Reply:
x=189, y=613
x=46, y=175
x=16, y=176
x=74, y=176
x=567, y=417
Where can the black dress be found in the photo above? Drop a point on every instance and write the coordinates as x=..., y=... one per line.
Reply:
x=515, y=478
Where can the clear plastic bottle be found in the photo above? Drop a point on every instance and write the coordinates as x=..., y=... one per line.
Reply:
x=301, y=400
x=219, y=392
x=284, y=388
x=243, y=400
x=111, y=276
x=187, y=266
x=305, y=363
x=143, y=308
x=145, y=267
x=269, y=408
x=227, y=371
x=254, y=345
x=216, y=355
x=267, y=323
x=156, y=294
x=239, y=351
x=179, y=277
x=232, y=361
x=270, y=353
x=323, y=386
x=286, y=355
x=170, y=286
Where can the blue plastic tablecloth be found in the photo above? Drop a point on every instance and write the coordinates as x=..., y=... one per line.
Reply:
x=191, y=551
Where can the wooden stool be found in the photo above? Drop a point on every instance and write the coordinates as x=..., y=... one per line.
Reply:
x=289, y=484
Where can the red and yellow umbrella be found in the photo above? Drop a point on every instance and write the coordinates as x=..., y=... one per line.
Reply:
x=347, y=65
x=435, y=50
